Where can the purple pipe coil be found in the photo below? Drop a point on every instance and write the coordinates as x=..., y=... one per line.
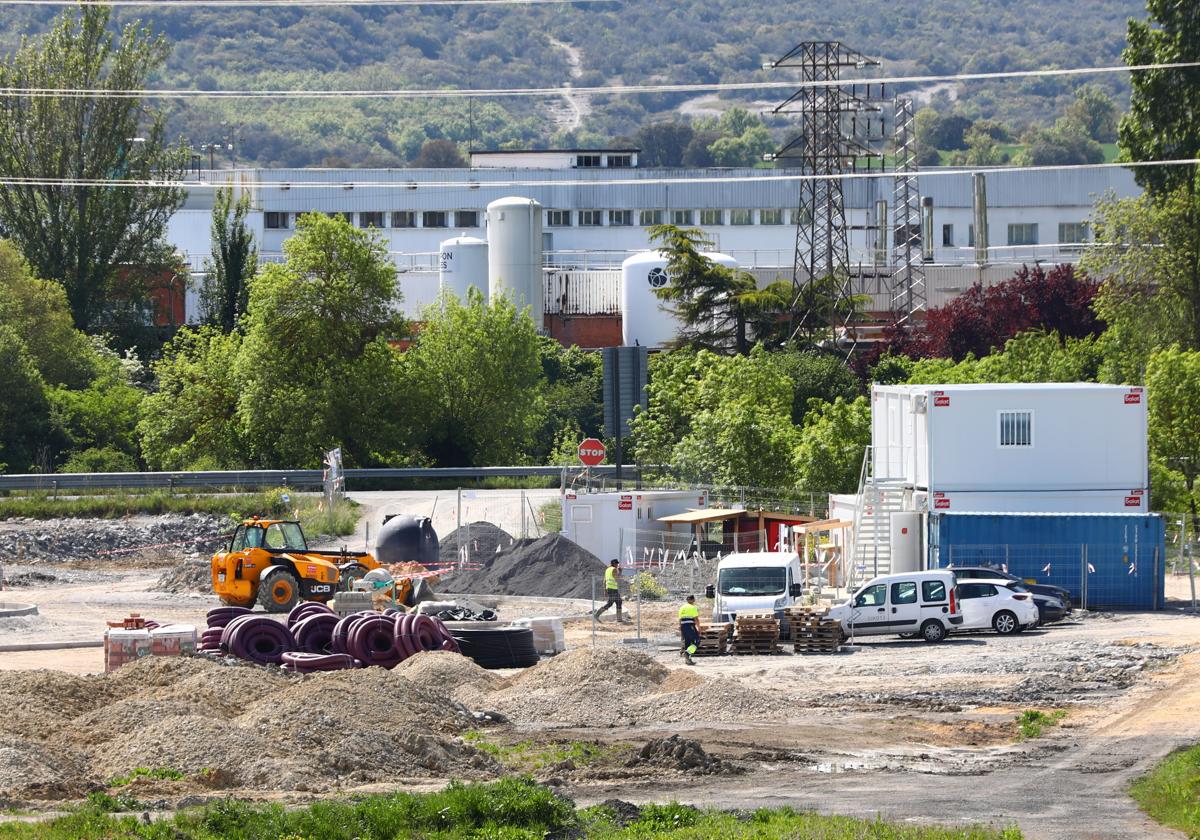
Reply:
x=300, y=662
x=304, y=610
x=341, y=633
x=403, y=642
x=373, y=640
x=256, y=639
x=314, y=633
x=221, y=616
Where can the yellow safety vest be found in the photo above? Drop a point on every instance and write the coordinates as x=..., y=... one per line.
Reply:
x=689, y=612
x=610, y=578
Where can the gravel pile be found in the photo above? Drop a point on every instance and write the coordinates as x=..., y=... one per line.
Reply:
x=192, y=575
x=156, y=538
x=63, y=735
x=551, y=566
x=451, y=674
x=583, y=686
x=480, y=538
x=683, y=754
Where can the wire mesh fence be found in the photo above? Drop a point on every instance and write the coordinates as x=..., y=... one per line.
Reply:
x=1097, y=575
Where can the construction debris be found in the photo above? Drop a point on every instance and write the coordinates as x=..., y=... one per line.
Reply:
x=683, y=754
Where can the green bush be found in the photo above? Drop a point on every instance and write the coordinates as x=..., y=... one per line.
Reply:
x=646, y=585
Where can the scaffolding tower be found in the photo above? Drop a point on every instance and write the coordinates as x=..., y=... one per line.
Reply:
x=837, y=130
x=907, y=289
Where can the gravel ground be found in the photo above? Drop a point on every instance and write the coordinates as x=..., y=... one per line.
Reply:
x=110, y=542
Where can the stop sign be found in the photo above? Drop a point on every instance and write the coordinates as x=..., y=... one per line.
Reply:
x=592, y=452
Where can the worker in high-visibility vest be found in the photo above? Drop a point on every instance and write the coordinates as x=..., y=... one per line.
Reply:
x=612, y=589
x=689, y=628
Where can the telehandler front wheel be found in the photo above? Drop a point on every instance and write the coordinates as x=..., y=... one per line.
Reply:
x=279, y=591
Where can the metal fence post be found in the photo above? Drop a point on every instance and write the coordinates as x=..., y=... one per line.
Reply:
x=593, y=611
x=458, y=519
x=1083, y=549
x=524, y=534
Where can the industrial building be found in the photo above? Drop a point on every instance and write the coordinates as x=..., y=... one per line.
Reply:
x=1050, y=480
x=595, y=206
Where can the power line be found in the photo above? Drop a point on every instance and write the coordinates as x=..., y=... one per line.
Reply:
x=223, y=3
x=939, y=172
x=600, y=90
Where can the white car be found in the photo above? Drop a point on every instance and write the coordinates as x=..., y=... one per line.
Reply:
x=990, y=604
x=906, y=604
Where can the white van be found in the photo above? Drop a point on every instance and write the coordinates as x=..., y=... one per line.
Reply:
x=759, y=581
x=907, y=604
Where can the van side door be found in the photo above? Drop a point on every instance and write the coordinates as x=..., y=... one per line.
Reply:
x=869, y=611
x=904, y=612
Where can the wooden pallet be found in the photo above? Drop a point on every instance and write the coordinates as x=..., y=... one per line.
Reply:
x=755, y=647
x=714, y=640
x=817, y=635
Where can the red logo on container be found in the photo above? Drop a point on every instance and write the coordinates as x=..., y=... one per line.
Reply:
x=1134, y=397
x=941, y=504
x=626, y=503
x=941, y=401
x=1133, y=501
x=1137, y=492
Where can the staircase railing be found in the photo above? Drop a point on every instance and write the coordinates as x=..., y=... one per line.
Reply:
x=864, y=480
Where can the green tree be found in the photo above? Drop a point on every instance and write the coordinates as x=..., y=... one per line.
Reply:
x=1173, y=386
x=439, y=154
x=79, y=235
x=663, y=143
x=1147, y=249
x=816, y=375
x=226, y=290
x=1094, y=110
x=832, y=442
x=672, y=397
x=101, y=416
x=474, y=381
x=37, y=311
x=315, y=367
x=744, y=149
x=740, y=428
x=1161, y=123
x=1032, y=356
x=191, y=422
x=709, y=299
x=572, y=396
x=24, y=410
x=982, y=149
x=1066, y=143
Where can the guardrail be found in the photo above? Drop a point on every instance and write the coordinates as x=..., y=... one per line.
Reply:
x=267, y=478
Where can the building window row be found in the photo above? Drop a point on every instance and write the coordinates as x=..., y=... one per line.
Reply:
x=709, y=217
x=273, y=220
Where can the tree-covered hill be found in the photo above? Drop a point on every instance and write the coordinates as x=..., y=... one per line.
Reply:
x=627, y=41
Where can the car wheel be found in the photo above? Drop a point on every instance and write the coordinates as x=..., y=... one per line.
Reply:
x=909, y=635
x=933, y=631
x=279, y=591
x=1005, y=623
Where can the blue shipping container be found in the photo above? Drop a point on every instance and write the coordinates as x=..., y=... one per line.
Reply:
x=1105, y=560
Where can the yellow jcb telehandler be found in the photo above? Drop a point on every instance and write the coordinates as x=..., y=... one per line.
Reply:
x=268, y=562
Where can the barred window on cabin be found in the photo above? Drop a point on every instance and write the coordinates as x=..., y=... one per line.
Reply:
x=1016, y=428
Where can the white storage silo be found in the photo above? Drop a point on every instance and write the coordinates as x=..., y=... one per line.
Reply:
x=514, y=232
x=463, y=263
x=645, y=319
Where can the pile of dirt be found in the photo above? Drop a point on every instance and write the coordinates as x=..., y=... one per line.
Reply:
x=139, y=539
x=31, y=579
x=258, y=728
x=627, y=687
x=193, y=575
x=551, y=566
x=481, y=539
x=451, y=674
x=684, y=754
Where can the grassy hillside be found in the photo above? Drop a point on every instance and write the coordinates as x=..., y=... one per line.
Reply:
x=628, y=41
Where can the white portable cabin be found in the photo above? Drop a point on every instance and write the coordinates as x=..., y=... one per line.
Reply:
x=1053, y=447
x=596, y=521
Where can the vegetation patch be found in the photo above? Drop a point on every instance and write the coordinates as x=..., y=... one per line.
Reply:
x=511, y=809
x=168, y=773
x=1170, y=793
x=530, y=756
x=1032, y=722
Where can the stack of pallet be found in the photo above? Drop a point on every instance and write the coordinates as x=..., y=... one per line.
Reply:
x=813, y=631
x=757, y=633
x=714, y=640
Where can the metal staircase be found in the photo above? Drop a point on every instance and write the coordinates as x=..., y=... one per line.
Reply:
x=878, y=498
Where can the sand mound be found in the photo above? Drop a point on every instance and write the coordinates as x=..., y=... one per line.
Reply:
x=257, y=727
x=551, y=566
x=453, y=675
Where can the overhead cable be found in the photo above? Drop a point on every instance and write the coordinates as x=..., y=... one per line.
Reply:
x=328, y=3
x=598, y=90
x=938, y=172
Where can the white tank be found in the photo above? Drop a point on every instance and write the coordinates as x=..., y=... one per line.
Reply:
x=645, y=319
x=514, y=232
x=463, y=263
